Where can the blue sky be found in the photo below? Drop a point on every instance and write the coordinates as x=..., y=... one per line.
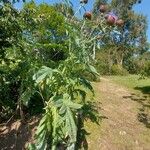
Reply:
x=143, y=8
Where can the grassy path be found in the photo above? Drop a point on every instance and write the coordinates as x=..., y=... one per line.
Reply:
x=123, y=129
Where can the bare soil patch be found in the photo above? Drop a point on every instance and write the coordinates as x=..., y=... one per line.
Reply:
x=16, y=135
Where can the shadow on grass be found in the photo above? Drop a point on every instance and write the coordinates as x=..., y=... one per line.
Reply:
x=144, y=100
x=91, y=111
x=144, y=90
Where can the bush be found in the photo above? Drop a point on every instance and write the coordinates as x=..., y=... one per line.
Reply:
x=146, y=69
x=102, y=67
x=102, y=63
x=118, y=70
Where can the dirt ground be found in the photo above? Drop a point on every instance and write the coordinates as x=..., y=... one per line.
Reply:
x=16, y=136
x=127, y=119
x=125, y=124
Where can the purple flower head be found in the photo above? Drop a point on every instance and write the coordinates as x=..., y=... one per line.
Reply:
x=113, y=15
x=111, y=18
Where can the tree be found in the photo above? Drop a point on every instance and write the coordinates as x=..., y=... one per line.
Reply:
x=11, y=50
x=47, y=32
x=133, y=34
x=65, y=9
x=11, y=33
x=130, y=38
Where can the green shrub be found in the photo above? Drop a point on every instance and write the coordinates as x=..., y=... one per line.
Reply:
x=118, y=70
x=102, y=67
x=146, y=69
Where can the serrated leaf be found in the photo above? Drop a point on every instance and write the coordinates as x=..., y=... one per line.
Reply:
x=43, y=73
x=86, y=84
x=57, y=100
x=43, y=120
x=41, y=127
x=70, y=104
x=71, y=126
x=42, y=144
x=40, y=131
x=93, y=70
x=31, y=147
x=25, y=97
x=81, y=92
x=62, y=110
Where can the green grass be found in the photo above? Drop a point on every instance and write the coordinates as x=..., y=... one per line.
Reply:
x=133, y=82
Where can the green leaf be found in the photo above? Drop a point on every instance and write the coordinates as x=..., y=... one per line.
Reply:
x=68, y=102
x=71, y=126
x=43, y=120
x=41, y=131
x=25, y=97
x=42, y=143
x=58, y=103
x=43, y=73
x=86, y=84
x=62, y=110
x=31, y=147
x=71, y=146
x=82, y=92
x=93, y=70
x=41, y=127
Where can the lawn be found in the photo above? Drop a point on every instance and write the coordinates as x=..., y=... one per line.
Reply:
x=133, y=82
x=140, y=89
